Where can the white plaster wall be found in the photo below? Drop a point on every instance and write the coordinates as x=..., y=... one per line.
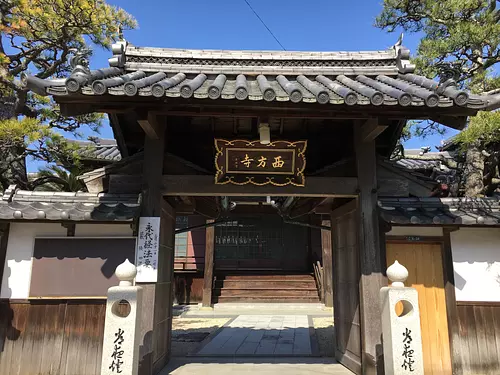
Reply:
x=415, y=231
x=476, y=262
x=17, y=270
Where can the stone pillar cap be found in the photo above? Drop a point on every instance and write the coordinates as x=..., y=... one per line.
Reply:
x=398, y=274
x=126, y=273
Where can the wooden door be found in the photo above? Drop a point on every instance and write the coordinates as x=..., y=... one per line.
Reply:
x=425, y=268
x=346, y=275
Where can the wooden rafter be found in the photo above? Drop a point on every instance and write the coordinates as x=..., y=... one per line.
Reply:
x=150, y=124
x=371, y=129
x=306, y=206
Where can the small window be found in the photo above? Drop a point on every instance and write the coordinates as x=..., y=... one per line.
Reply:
x=181, y=239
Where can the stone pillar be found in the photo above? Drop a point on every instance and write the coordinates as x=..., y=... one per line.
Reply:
x=401, y=325
x=120, y=350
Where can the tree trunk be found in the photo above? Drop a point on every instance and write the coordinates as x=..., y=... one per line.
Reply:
x=474, y=171
x=491, y=178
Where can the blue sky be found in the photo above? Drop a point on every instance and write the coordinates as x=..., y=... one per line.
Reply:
x=319, y=25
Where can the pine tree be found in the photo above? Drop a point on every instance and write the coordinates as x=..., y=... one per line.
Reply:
x=461, y=40
x=38, y=37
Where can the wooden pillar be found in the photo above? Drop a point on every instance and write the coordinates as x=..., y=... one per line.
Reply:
x=156, y=325
x=451, y=302
x=372, y=261
x=326, y=246
x=208, y=275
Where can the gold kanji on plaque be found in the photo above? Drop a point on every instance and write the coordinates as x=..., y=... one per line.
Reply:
x=278, y=162
x=262, y=162
x=247, y=161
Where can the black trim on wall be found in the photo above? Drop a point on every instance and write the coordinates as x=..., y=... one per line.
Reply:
x=4, y=240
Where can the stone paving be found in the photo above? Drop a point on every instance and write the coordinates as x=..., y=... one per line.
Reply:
x=234, y=309
x=254, y=365
x=262, y=335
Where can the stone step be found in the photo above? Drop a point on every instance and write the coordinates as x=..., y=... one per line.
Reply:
x=250, y=277
x=268, y=299
x=257, y=293
x=265, y=284
x=267, y=288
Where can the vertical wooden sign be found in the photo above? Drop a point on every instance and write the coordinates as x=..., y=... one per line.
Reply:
x=147, y=246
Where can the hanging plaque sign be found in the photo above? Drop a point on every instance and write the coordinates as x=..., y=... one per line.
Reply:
x=243, y=162
x=147, y=246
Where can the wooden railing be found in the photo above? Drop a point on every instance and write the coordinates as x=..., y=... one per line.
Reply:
x=319, y=276
x=189, y=264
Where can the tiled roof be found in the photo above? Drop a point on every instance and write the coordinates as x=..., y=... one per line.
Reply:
x=61, y=206
x=363, y=78
x=440, y=211
x=449, y=144
x=100, y=150
x=418, y=164
x=417, y=160
x=409, y=172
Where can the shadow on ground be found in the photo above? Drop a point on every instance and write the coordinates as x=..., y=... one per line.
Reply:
x=188, y=335
x=326, y=341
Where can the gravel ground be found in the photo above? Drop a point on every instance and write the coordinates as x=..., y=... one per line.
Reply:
x=188, y=333
x=324, y=335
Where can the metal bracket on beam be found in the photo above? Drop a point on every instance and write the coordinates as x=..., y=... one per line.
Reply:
x=322, y=227
x=201, y=226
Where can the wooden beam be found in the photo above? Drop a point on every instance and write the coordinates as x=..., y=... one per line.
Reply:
x=198, y=185
x=371, y=129
x=325, y=208
x=114, y=121
x=345, y=209
x=209, y=266
x=205, y=207
x=187, y=200
x=456, y=122
x=304, y=208
x=217, y=108
x=184, y=209
x=372, y=262
x=150, y=125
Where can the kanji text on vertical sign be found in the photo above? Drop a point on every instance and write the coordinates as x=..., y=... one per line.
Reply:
x=117, y=355
x=148, y=241
x=408, y=360
x=243, y=162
